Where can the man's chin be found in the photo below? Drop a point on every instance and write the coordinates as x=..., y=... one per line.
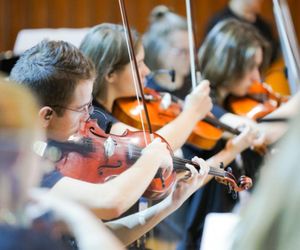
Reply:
x=76, y=133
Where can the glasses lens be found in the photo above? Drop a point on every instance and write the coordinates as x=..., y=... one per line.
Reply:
x=91, y=108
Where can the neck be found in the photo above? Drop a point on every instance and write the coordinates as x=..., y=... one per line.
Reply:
x=238, y=8
x=107, y=98
x=165, y=82
x=221, y=95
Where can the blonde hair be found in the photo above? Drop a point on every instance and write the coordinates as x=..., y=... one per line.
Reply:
x=17, y=106
x=19, y=128
x=271, y=220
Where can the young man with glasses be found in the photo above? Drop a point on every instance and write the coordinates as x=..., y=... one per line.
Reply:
x=62, y=79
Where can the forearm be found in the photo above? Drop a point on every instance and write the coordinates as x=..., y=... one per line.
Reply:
x=130, y=228
x=110, y=199
x=177, y=132
x=274, y=131
x=132, y=183
x=288, y=109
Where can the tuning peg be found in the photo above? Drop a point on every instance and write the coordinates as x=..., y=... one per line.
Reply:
x=229, y=170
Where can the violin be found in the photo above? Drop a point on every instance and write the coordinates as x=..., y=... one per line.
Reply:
x=276, y=77
x=205, y=134
x=111, y=155
x=161, y=112
x=259, y=102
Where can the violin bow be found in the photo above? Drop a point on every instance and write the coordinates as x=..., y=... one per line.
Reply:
x=288, y=41
x=192, y=47
x=134, y=68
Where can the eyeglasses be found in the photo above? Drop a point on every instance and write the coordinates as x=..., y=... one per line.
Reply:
x=88, y=108
x=180, y=51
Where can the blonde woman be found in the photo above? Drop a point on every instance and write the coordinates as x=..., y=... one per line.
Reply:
x=21, y=171
x=271, y=220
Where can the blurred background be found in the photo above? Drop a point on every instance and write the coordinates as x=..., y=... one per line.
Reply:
x=16, y=15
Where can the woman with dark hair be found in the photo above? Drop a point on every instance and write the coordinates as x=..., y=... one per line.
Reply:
x=231, y=57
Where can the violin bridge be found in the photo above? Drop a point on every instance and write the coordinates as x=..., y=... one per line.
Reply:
x=166, y=101
x=109, y=147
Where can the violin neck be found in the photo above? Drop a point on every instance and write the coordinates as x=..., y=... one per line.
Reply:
x=179, y=165
x=215, y=122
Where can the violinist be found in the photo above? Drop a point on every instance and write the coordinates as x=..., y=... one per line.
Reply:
x=21, y=171
x=167, y=47
x=232, y=56
x=166, y=36
x=105, y=45
x=62, y=79
x=247, y=53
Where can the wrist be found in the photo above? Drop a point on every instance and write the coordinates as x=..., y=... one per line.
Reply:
x=193, y=114
x=151, y=157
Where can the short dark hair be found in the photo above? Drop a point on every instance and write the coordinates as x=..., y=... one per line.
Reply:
x=52, y=69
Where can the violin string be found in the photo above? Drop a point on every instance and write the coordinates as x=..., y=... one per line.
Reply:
x=211, y=169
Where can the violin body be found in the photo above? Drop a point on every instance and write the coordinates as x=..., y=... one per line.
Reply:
x=275, y=77
x=127, y=110
x=259, y=102
x=111, y=155
x=249, y=107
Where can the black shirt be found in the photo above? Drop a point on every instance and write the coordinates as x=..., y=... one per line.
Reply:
x=103, y=116
x=181, y=92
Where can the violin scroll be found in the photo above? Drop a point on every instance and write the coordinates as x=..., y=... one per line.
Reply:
x=244, y=182
x=222, y=176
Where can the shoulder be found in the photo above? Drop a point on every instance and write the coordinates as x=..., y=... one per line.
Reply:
x=103, y=116
x=218, y=111
x=50, y=179
x=264, y=27
x=218, y=17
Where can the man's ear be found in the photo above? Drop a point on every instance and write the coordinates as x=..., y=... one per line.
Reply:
x=46, y=114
